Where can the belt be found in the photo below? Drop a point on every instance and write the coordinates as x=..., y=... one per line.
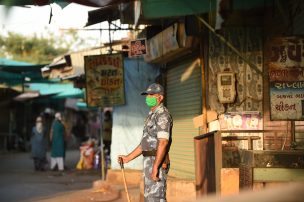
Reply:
x=149, y=153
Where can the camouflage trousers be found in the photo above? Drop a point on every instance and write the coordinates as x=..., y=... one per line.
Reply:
x=154, y=191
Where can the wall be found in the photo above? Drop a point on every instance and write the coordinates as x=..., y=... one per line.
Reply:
x=248, y=82
x=285, y=18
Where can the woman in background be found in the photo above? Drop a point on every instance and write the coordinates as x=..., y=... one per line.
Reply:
x=39, y=145
x=107, y=131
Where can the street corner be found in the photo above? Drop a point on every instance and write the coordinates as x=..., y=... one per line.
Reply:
x=100, y=193
x=104, y=191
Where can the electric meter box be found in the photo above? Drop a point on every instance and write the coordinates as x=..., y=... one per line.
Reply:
x=226, y=87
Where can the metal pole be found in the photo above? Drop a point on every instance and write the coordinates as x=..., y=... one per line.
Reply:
x=102, y=159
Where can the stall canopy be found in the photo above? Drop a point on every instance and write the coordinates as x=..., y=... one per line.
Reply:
x=14, y=66
x=15, y=72
x=93, y=3
x=110, y=13
x=150, y=11
x=26, y=96
x=124, y=12
x=173, y=8
x=28, y=76
x=84, y=106
x=57, y=91
x=7, y=62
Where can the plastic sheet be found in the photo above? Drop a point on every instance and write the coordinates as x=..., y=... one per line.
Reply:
x=128, y=120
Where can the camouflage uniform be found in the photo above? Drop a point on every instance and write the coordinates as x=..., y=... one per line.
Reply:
x=157, y=125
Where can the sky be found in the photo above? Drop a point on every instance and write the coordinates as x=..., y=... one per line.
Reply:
x=32, y=20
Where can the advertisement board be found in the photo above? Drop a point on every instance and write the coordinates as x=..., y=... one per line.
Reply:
x=243, y=121
x=104, y=80
x=138, y=47
x=285, y=60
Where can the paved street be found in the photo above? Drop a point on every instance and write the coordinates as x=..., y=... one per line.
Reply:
x=19, y=181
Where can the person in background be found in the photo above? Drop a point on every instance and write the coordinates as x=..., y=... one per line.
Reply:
x=154, y=146
x=94, y=127
x=107, y=131
x=57, y=140
x=39, y=145
x=79, y=129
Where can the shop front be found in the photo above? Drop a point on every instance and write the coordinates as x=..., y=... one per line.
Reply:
x=181, y=68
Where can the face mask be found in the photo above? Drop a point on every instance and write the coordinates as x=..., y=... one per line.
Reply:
x=151, y=101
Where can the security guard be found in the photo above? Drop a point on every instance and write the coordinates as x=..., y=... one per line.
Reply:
x=154, y=146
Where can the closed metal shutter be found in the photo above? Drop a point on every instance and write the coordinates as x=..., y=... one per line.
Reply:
x=184, y=102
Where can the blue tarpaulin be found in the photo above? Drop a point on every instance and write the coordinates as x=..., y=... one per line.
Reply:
x=57, y=90
x=8, y=62
x=128, y=119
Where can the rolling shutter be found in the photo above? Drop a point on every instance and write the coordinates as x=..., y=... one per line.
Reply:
x=184, y=102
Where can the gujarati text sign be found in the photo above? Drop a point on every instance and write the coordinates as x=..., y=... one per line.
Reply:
x=104, y=80
x=285, y=60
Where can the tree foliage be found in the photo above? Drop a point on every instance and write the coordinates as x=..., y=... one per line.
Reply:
x=37, y=50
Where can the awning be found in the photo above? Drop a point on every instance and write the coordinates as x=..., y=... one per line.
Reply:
x=83, y=105
x=10, y=78
x=110, y=13
x=20, y=78
x=57, y=90
x=123, y=11
x=96, y=3
x=93, y=3
x=26, y=96
x=15, y=72
x=157, y=9
x=18, y=66
x=77, y=104
x=8, y=62
x=172, y=8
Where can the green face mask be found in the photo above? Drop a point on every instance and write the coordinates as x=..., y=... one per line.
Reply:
x=151, y=101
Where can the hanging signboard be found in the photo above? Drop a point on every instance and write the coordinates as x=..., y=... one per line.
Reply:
x=138, y=47
x=104, y=80
x=285, y=60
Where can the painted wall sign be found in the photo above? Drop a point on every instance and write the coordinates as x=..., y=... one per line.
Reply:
x=285, y=60
x=104, y=80
x=241, y=121
x=247, y=120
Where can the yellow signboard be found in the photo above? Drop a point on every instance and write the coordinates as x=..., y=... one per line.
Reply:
x=104, y=80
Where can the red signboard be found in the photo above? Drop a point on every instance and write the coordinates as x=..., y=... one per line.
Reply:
x=138, y=48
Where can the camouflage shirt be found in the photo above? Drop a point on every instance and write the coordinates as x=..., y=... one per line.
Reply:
x=158, y=124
